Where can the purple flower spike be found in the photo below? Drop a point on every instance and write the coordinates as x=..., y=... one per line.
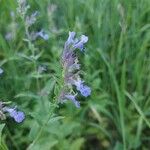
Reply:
x=71, y=70
x=73, y=98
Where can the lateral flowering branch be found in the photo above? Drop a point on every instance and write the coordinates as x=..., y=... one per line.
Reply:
x=29, y=20
x=18, y=116
x=71, y=70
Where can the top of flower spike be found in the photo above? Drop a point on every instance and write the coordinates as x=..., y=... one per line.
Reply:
x=76, y=43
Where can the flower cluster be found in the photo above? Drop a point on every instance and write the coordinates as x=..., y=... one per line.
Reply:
x=71, y=70
x=18, y=116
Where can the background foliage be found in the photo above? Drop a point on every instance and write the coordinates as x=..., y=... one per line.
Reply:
x=116, y=66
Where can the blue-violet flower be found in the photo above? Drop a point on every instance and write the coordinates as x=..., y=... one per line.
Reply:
x=18, y=116
x=43, y=35
x=73, y=99
x=84, y=89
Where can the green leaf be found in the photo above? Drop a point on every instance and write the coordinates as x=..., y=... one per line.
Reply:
x=1, y=128
x=77, y=144
x=118, y=146
x=2, y=144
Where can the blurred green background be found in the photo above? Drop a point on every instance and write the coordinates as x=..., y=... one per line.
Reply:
x=116, y=66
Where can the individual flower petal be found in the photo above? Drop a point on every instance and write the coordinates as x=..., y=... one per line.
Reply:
x=73, y=99
x=70, y=39
x=84, y=38
x=78, y=83
x=81, y=43
x=12, y=112
x=19, y=117
x=84, y=89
